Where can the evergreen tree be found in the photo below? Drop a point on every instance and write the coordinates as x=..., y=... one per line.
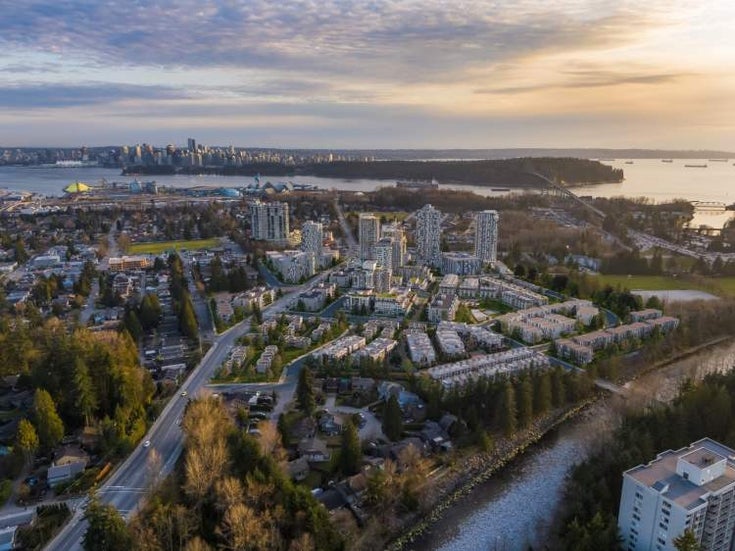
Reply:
x=187, y=319
x=132, y=325
x=85, y=398
x=50, y=427
x=687, y=542
x=27, y=440
x=305, y=391
x=509, y=410
x=525, y=402
x=350, y=454
x=107, y=530
x=558, y=388
x=150, y=311
x=542, y=393
x=392, y=419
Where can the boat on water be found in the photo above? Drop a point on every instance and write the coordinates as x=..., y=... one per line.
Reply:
x=718, y=160
x=628, y=162
x=499, y=189
x=695, y=166
x=667, y=160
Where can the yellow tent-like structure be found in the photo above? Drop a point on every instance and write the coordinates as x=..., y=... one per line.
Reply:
x=77, y=187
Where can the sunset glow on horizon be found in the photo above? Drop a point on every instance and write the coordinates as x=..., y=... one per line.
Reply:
x=368, y=74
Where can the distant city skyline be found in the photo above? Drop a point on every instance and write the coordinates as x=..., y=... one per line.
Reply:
x=347, y=74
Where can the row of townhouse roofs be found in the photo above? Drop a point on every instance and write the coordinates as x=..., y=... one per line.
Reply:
x=396, y=303
x=581, y=349
x=292, y=335
x=357, y=347
x=488, y=365
x=508, y=292
x=316, y=298
x=550, y=321
x=225, y=303
x=450, y=339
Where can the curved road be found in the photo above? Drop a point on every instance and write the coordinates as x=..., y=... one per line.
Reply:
x=128, y=485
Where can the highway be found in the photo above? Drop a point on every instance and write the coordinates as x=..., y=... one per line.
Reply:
x=128, y=486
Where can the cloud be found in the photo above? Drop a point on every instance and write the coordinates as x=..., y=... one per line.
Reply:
x=46, y=95
x=588, y=79
x=391, y=40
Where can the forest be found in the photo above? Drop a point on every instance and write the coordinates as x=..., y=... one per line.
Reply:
x=80, y=379
x=501, y=172
x=229, y=492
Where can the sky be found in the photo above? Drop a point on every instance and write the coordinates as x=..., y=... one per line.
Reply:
x=369, y=73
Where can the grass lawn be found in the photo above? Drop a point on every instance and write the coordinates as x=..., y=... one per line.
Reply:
x=158, y=247
x=724, y=286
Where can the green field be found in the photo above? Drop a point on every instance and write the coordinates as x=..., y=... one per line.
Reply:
x=724, y=286
x=158, y=247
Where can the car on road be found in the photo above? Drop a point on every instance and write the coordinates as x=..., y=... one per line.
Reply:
x=146, y=444
x=184, y=393
x=361, y=420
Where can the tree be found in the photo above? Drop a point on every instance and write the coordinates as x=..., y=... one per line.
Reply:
x=107, y=530
x=187, y=319
x=150, y=311
x=27, y=439
x=85, y=398
x=392, y=419
x=305, y=391
x=509, y=412
x=687, y=542
x=542, y=393
x=525, y=402
x=350, y=454
x=50, y=427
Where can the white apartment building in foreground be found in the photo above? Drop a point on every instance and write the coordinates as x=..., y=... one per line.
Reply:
x=688, y=489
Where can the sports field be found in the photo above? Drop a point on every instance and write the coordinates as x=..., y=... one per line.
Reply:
x=723, y=286
x=158, y=247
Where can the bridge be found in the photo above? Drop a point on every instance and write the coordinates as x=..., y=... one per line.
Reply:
x=550, y=187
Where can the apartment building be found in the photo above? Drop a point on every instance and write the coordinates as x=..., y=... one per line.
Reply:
x=428, y=236
x=269, y=221
x=486, y=236
x=692, y=488
x=369, y=234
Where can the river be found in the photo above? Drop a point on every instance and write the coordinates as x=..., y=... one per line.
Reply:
x=515, y=508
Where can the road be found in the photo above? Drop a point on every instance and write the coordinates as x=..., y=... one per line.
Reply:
x=352, y=246
x=128, y=485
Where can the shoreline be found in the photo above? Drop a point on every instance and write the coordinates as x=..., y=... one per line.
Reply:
x=490, y=464
x=466, y=482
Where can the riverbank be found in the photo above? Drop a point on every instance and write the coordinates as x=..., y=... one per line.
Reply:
x=479, y=470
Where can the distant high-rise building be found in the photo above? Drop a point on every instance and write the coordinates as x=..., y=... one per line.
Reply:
x=384, y=254
x=312, y=238
x=428, y=235
x=269, y=221
x=398, y=237
x=689, y=489
x=369, y=233
x=191, y=144
x=486, y=235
